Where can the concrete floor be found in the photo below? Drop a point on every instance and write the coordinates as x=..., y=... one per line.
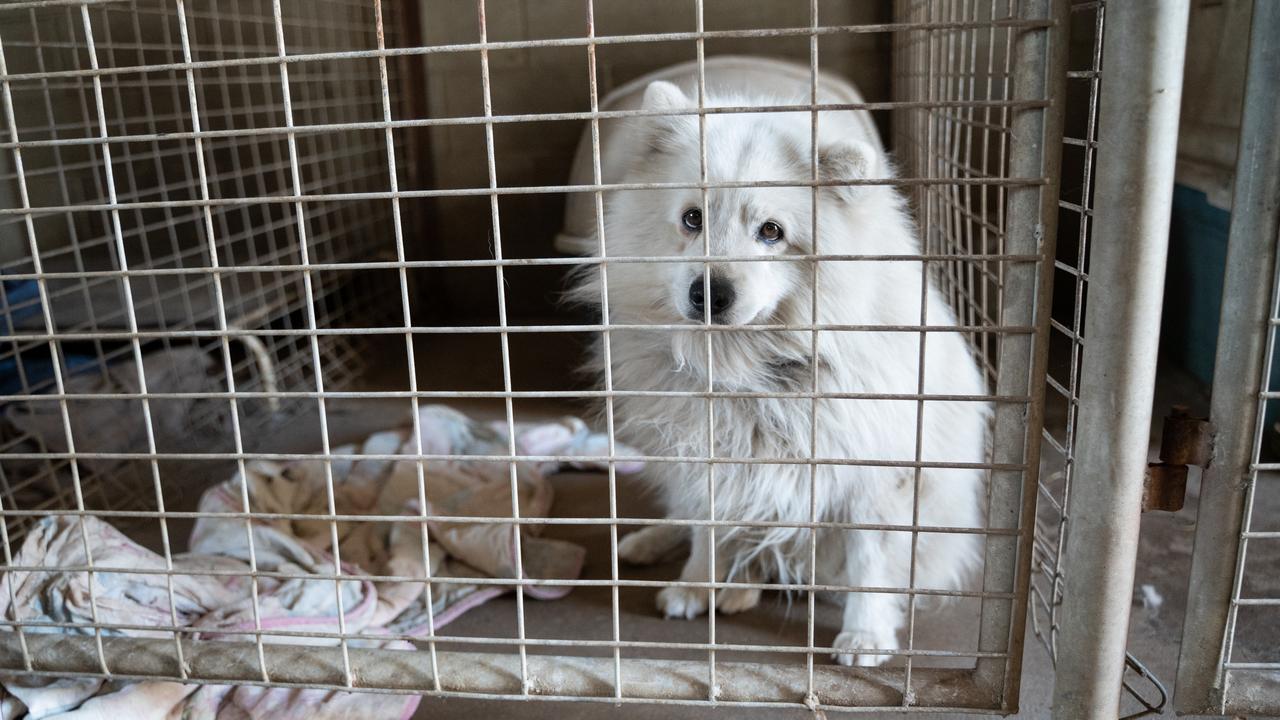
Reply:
x=585, y=613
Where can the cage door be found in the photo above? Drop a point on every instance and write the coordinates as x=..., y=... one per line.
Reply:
x=1227, y=665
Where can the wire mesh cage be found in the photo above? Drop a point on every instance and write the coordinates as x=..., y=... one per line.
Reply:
x=963, y=133
x=1227, y=663
x=251, y=246
x=1145, y=693
x=1247, y=665
x=1067, y=325
x=142, y=203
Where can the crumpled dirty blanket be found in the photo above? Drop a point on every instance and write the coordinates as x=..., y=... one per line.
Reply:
x=221, y=606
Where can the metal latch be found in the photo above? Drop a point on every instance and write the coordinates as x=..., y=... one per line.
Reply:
x=1184, y=441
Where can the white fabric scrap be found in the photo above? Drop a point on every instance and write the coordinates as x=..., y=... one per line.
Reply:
x=1150, y=597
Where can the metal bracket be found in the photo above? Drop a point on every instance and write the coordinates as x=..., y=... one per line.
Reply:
x=1149, y=706
x=1184, y=441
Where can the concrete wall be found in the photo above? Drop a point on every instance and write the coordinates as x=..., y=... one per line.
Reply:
x=1212, y=96
x=550, y=80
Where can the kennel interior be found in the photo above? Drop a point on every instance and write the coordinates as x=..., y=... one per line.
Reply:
x=240, y=238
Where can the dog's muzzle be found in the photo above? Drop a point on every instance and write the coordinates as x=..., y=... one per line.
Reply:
x=720, y=300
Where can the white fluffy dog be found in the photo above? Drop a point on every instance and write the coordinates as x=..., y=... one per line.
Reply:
x=880, y=437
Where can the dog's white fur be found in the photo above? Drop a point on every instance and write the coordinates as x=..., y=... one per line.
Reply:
x=861, y=220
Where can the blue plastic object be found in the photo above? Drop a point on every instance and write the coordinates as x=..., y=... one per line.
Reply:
x=21, y=303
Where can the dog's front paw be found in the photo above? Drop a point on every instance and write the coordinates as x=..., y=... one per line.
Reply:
x=857, y=640
x=736, y=600
x=649, y=545
x=682, y=602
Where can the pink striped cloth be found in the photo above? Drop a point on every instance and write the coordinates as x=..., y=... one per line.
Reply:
x=222, y=607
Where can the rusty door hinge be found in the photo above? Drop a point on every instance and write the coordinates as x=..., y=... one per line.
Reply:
x=1184, y=441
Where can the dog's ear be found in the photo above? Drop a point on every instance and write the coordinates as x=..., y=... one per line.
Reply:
x=663, y=95
x=844, y=160
x=660, y=131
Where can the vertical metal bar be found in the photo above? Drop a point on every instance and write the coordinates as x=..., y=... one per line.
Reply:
x=1238, y=372
x=308, y=282
x=220, y=302
x=606, y=344
x=811, y=698
x=131, y=318
x=1144, y=48
x=1038, y=60
x=908, y=696
x=707, y=229
x=237, y=432
x=1075, y=335
x=410, y=358
x=486, y=89
x=73, y=233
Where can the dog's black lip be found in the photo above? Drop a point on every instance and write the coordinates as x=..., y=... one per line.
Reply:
x=702, y=319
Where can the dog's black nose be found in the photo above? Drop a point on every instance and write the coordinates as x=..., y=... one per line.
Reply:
x=721, y=297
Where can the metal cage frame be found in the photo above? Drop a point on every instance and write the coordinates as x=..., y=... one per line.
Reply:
x=981, y=152
x=1212, y=678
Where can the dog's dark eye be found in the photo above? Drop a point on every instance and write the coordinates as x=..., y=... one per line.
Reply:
x=692, y=219
x=770, y=233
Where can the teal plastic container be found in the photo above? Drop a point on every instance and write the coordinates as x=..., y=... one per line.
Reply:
x=1193, y=290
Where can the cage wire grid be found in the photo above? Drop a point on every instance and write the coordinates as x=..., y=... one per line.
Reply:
x=1054, y=488
x=261, y=133
x=1063, y=381
x=1251, y=594
x=1228, y=665
x=80, y=252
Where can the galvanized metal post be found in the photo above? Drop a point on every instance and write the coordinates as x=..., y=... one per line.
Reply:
x=1040, y=62
x=1238, y=372
x=1138, y=128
